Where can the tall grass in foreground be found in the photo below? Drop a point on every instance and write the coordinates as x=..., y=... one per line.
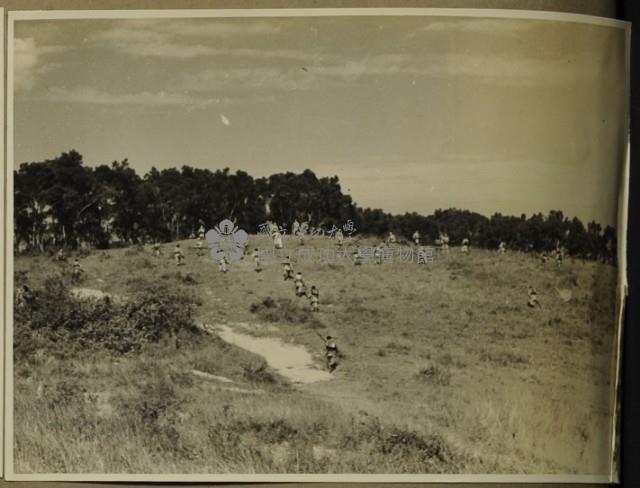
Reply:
x=446, y=370
x=145, y=416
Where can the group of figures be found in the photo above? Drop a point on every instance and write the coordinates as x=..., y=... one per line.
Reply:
x=300, y=230
x=75, y=269
x=301, y=289
x=312, y=293
x=557, y=254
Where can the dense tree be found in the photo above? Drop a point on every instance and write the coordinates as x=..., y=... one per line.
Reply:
x=61, y=202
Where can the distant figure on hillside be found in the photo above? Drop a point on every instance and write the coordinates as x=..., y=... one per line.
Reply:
x=416, y=238
x=533, y=298
x=277, y=239
x=295, y=229
x=199, y=248
x=23, y=295
x=444, y=246
x=357, y=257
x=315, y=299
x=331, y=352
x=222, y=265
x=465, y=246
x=156, y=249
x=60, y=256
x=287, y=270
x=377, y=253
x=256, y=259
x=304, y=229
x=301, y=288
x=391, y=239
x=422, y=257
x=502, y=247
x=339, y=238
x=559, y=255
x=177, y=255
x=76, y=270
x=245, y=249
x=543, y=257
x=201, y=232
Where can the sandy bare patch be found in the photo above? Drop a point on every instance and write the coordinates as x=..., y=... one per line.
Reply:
x=292, y=361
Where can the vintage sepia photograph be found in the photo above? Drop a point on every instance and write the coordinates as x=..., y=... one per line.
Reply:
x=349, y=244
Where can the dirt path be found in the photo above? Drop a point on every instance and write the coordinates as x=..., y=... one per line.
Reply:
x=291, y=361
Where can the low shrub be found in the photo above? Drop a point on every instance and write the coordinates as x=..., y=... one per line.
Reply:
x=63, y=324
x=435, y=374
x=284, y=310
x=258, y=373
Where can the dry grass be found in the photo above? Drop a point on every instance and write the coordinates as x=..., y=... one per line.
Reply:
x=446, y=369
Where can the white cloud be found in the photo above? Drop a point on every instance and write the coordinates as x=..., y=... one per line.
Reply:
x=28, y=61
x=468, y=66
x=257, y=77
x=90, y=95
x=494, y=27
x=94, y=96
x=503, y=70
x=202, y=28
x=184, y=39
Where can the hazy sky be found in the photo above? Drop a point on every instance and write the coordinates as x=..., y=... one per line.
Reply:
x=412, y=113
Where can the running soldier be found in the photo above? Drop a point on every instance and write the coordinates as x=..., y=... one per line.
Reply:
x=199, y=248
x=256, y=259
x=287, y=271
x=377, y=253
x=222, y=265
x=177, y=255
x=444, y=238
x=76, y=270
x=315, y=299
x=465, y=246
x=331, y=352
x=533, y=298
x=301, y=288
x=422, y=255
x=277, y=239
x=23, y=295
x=304, y=229
x=559, y=255
x=357, y=257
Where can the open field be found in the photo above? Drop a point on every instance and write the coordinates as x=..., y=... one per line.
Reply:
x=445, y=370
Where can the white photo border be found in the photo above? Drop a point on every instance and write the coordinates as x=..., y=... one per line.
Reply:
x=14, y=16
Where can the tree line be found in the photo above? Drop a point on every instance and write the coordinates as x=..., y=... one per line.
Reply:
x=61, y=202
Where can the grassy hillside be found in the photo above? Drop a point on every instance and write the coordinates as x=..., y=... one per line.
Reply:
x=445, y=369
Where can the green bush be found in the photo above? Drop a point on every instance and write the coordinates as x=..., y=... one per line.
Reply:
x=258, y=373
x=62, y=324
